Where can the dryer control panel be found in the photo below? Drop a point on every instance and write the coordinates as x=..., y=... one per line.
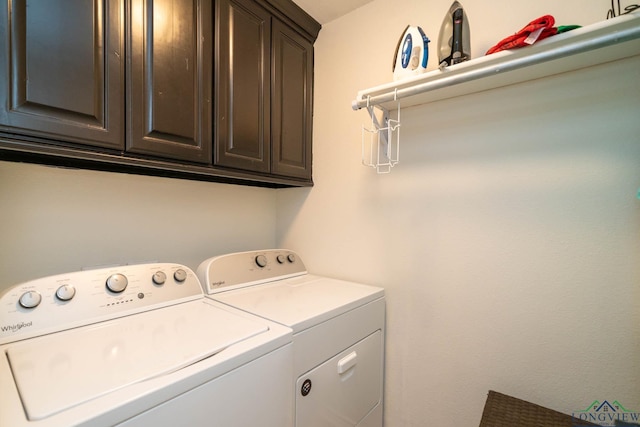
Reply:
x=66, y=301
x=240, y=269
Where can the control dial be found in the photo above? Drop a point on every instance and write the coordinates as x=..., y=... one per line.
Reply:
x=65, y=292
x=117, y=283
x=180, y=275
x=280, y=258
x=291, y=258
x=261, y=261
x=30, y=299
x=159, y=278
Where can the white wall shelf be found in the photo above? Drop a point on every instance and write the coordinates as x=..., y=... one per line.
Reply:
x=595, y=44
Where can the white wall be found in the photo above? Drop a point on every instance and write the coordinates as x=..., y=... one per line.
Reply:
x=508, y=238
x=55, y=220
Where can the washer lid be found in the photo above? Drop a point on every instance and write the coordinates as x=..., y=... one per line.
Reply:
x=58, y=371
x=301, y=302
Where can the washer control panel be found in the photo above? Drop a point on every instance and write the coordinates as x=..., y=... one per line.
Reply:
x=65, y=301
x=231, y=271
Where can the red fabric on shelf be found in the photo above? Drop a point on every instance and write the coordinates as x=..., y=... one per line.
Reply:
x=545, y=23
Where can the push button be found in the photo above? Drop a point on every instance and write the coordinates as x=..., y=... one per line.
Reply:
x=306, y=387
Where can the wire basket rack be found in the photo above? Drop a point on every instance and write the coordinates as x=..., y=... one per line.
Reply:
x=381, y=139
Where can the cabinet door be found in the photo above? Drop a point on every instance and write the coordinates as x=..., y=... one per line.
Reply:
x=61, y=70
x=169, y=79
x=292, y=103
x=243, y=85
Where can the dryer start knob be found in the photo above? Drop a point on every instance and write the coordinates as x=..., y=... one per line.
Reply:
x=261, y=261
x=117, y=283
x=159, y=277
x=180, y=275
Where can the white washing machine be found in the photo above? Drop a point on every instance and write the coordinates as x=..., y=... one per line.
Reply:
x=135, y=346
x=338, y=327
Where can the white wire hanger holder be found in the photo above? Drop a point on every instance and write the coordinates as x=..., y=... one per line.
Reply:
x=381, y=141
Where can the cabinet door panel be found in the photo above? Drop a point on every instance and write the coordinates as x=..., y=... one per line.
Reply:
x=61, y=70
x=292, y=103
x=169, y=92
x=243, y=92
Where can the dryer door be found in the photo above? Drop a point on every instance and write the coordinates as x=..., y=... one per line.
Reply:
x=344, y=389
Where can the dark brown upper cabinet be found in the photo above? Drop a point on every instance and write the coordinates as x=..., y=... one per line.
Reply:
x=243, y=82
x=70, y=64
x=292, y=102
x=264, y=72
x=61, y=70
x=217, y=90
x=169, y=79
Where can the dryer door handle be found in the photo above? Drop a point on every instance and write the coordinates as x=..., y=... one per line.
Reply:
x=347, y=362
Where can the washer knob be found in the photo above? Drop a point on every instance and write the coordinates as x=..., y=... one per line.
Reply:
x=291, y=258
x=65, y=292
x=30, y=299
x=180, y=275
x=261, y=261
x=159, y=278
x=280, y=259
x=117, y=283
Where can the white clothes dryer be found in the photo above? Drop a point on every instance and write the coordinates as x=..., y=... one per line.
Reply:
x=134, y=346
x=338, y=327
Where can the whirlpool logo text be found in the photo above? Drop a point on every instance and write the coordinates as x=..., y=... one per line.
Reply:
x=16, y=327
